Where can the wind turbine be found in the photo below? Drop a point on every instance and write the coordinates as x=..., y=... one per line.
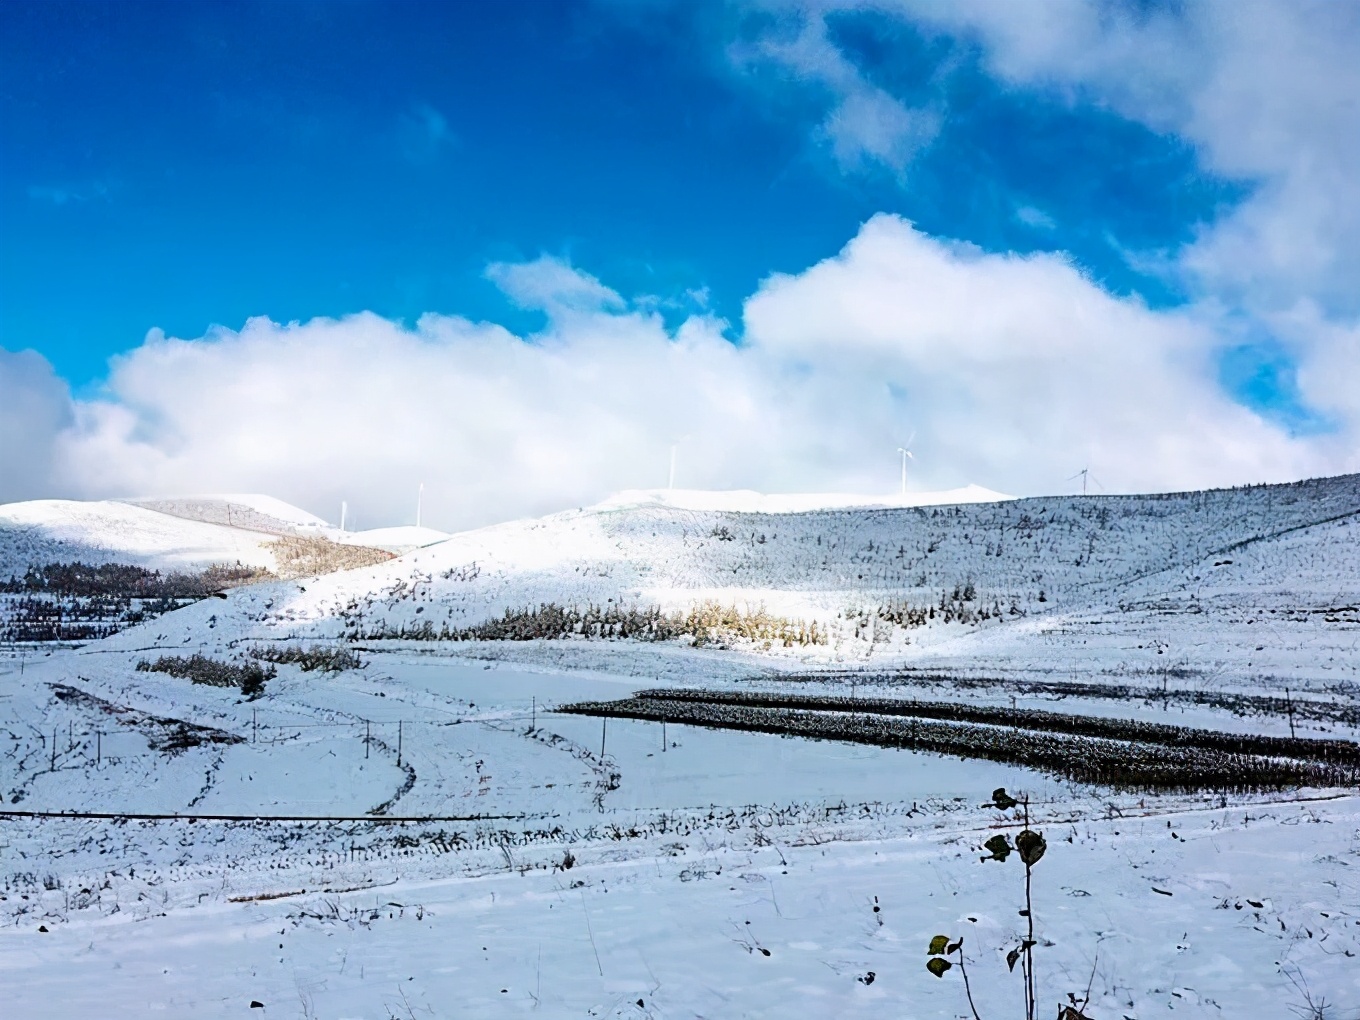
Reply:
x=906, y=455
x=1084, y=474
x=344, y=509
x=420, y=498
x=670, y=479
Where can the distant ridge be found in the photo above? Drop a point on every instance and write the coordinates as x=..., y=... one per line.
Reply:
x=751, y=502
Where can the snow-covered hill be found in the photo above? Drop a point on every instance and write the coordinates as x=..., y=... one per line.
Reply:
x=327, y=848
x=1273, y=566
x=108, y=531
x=175, y=534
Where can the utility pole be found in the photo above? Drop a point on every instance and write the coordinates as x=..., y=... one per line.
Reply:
x=398, y=743
x=604, y=728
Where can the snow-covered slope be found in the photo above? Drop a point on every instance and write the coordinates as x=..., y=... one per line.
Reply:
x=105, y=531
x=331, y=848
x=1003, y=576
x=267, y=514
x=254, y=511
x=183, y=533
x=398, y=539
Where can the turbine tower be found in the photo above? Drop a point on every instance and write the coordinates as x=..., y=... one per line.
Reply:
x=906, y=455
x=420, y=498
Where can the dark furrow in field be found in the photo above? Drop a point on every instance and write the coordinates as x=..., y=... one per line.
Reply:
x=1116, y=764
x=1135, y=730
x=1302, y=708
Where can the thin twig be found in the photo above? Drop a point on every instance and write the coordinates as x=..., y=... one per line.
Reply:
x=1086, y=999
x=598, y=965
x=967, y=990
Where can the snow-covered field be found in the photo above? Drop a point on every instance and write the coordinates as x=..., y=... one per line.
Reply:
x=426, y=836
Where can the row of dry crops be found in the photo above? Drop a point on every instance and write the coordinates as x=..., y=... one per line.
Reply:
x=1339, y=706
x=1120, y=754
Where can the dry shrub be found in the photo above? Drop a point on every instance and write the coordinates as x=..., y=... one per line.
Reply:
x=706, y=623
x=199, y=669
x=307, y=556
x=713, y=623
x=329, y=660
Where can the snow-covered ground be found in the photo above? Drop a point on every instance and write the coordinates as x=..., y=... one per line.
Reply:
x=426, y=836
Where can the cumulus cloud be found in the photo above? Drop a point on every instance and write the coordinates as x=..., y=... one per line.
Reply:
x=1014, y=371
x=1265, y=90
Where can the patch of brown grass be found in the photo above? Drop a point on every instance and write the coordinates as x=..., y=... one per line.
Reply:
x=307, y=556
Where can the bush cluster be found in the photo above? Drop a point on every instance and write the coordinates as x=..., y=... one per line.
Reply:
x=706, y=623
x=250, y=677
x=328, y=660
x=121, y=580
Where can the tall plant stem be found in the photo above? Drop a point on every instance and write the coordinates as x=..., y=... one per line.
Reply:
x=1029, y=937
x=967, y=989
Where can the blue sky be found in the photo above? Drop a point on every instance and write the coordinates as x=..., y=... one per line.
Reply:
x=180, y=167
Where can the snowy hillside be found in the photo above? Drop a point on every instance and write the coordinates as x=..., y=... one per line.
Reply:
x=76, y=571
x=1269, y=566
x=361, y=794
x=60, y=530
x=750, y=502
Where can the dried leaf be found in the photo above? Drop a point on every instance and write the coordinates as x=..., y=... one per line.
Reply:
x=998, y=847
x=1031, y=846
x=937, y=965
x=1003, y=800
x=1011, y=957
x=938, y=944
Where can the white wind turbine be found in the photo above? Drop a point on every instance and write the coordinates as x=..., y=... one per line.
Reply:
x=420, y=498
x=906, y=456
x=1085, y=474
x=670, y=478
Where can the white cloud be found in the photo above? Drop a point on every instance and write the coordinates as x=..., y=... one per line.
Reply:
x=552, y=285
x=864, y=124
x=1014, y=372
x=1266, y=91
